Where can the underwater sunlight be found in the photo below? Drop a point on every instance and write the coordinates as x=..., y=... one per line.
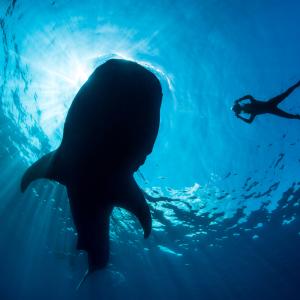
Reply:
x=224, y=195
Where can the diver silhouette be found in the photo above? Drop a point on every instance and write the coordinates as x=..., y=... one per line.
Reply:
x=256, y=107
x=110, y=129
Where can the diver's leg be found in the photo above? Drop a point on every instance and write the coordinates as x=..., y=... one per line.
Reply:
x=276, y=100
x=278, y=112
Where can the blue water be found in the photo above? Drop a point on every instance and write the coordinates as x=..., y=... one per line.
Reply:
x=224, y=195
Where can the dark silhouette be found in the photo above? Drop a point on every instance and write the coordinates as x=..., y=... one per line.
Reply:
x=256, y=107
x=110, y=129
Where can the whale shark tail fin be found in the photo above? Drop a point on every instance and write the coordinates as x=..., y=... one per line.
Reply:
x=133, y=200
x=43, y=168
x=91, y=219
x=91, y=216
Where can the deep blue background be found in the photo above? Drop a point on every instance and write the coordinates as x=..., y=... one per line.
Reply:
x=224, y=195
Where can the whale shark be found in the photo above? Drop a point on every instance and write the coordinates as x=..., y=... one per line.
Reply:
x=110, y=129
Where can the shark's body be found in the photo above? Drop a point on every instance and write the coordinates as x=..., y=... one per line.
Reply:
x=110, y=129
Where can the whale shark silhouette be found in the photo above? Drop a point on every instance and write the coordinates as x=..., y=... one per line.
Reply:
x=109, y=130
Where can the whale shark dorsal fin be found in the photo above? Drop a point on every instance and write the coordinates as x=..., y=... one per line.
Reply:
x=40, y=169
x=133, y=200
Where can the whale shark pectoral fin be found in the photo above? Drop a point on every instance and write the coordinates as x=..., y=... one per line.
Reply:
x=134, y=201
x=40, y=169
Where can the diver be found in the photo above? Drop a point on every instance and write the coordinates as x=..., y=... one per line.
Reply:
x=256, y=107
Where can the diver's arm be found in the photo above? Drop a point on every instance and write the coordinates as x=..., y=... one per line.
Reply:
x=251, y=98
x=250, y=120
